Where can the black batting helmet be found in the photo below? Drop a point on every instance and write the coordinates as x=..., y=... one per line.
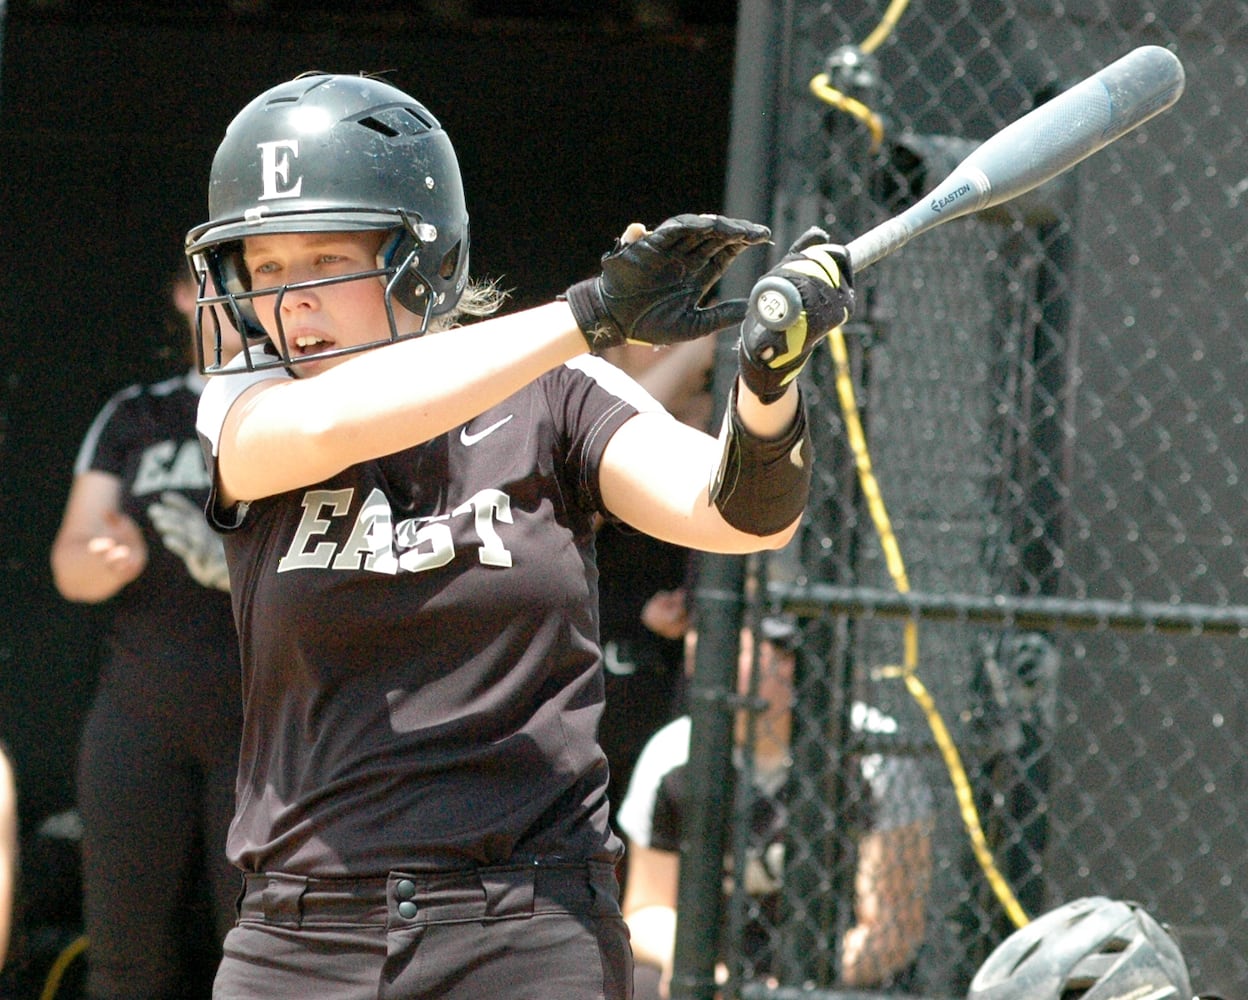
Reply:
x=336, y=153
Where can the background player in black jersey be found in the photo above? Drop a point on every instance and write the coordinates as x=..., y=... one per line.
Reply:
x=409, y=526
x=159, y=749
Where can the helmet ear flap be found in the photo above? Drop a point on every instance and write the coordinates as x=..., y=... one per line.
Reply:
x=453, y=268
x=454, y=271
x=398, y=257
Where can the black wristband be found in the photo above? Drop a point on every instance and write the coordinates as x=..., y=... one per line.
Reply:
x=590, y=312
x=762, y=485
x=768, y=384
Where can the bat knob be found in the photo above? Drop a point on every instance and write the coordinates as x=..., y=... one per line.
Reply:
x=775, y=302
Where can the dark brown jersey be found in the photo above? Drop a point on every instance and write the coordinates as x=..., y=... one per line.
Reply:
x=422, y=671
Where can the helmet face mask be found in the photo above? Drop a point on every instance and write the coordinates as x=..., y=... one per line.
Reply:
x=222, y=267
x=328, y=154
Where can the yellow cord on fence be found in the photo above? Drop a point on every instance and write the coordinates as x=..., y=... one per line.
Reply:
x=885, y=28
x=822, y=88
x=53, y=981
x=908, y=671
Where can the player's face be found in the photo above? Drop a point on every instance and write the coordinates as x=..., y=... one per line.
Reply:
x=775, y=673
x=325, y=317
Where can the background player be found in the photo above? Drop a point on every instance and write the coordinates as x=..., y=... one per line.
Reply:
x=159, y=748
x=893, y=852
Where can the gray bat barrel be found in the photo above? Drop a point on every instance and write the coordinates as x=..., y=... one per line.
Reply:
x=1039, y=146
x=1031, y=150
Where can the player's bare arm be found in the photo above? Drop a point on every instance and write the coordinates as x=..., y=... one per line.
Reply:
x=283, y=434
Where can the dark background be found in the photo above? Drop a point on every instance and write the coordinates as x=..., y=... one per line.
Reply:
x=568, y=126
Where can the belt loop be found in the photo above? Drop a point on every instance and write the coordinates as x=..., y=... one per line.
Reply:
x=604, y=887
x=282, y=899
x=240, y=895
x=508, y=891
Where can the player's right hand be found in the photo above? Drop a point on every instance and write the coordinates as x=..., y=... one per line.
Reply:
x=119, y=547
x=651, y=289
x=775, y=344
x=185, y=532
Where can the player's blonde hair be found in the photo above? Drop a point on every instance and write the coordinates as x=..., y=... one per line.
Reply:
x=479, y=299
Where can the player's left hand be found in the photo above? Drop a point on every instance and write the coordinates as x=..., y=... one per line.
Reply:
x=186, y=534
x=819, y=271
x=666, y=613
x=651, y=288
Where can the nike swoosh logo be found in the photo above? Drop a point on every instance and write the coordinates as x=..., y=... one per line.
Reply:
x=469, y=440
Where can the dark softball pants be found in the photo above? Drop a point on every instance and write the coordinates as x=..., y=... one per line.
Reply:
x=150, y=800
x=511, y=933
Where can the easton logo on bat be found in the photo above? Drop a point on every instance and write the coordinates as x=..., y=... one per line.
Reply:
x=940, y=204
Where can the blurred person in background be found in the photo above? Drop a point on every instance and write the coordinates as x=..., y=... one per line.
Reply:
x=893, y=845
x=158, y=753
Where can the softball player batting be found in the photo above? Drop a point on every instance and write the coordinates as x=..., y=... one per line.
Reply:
x=408, y=508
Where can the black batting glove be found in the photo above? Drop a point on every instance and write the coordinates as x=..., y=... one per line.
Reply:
x=651, y=291
x=775, y=340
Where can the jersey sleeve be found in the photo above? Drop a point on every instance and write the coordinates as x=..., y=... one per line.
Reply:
x=595, y=398
x=899, y=795
x=218, y=396
x=220, y=393
x=650, y=815
x=106, y=444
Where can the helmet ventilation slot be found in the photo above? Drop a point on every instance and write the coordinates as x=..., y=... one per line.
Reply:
x=395, y=123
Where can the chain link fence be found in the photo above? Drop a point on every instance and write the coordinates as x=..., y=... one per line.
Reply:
x=1053, y=407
